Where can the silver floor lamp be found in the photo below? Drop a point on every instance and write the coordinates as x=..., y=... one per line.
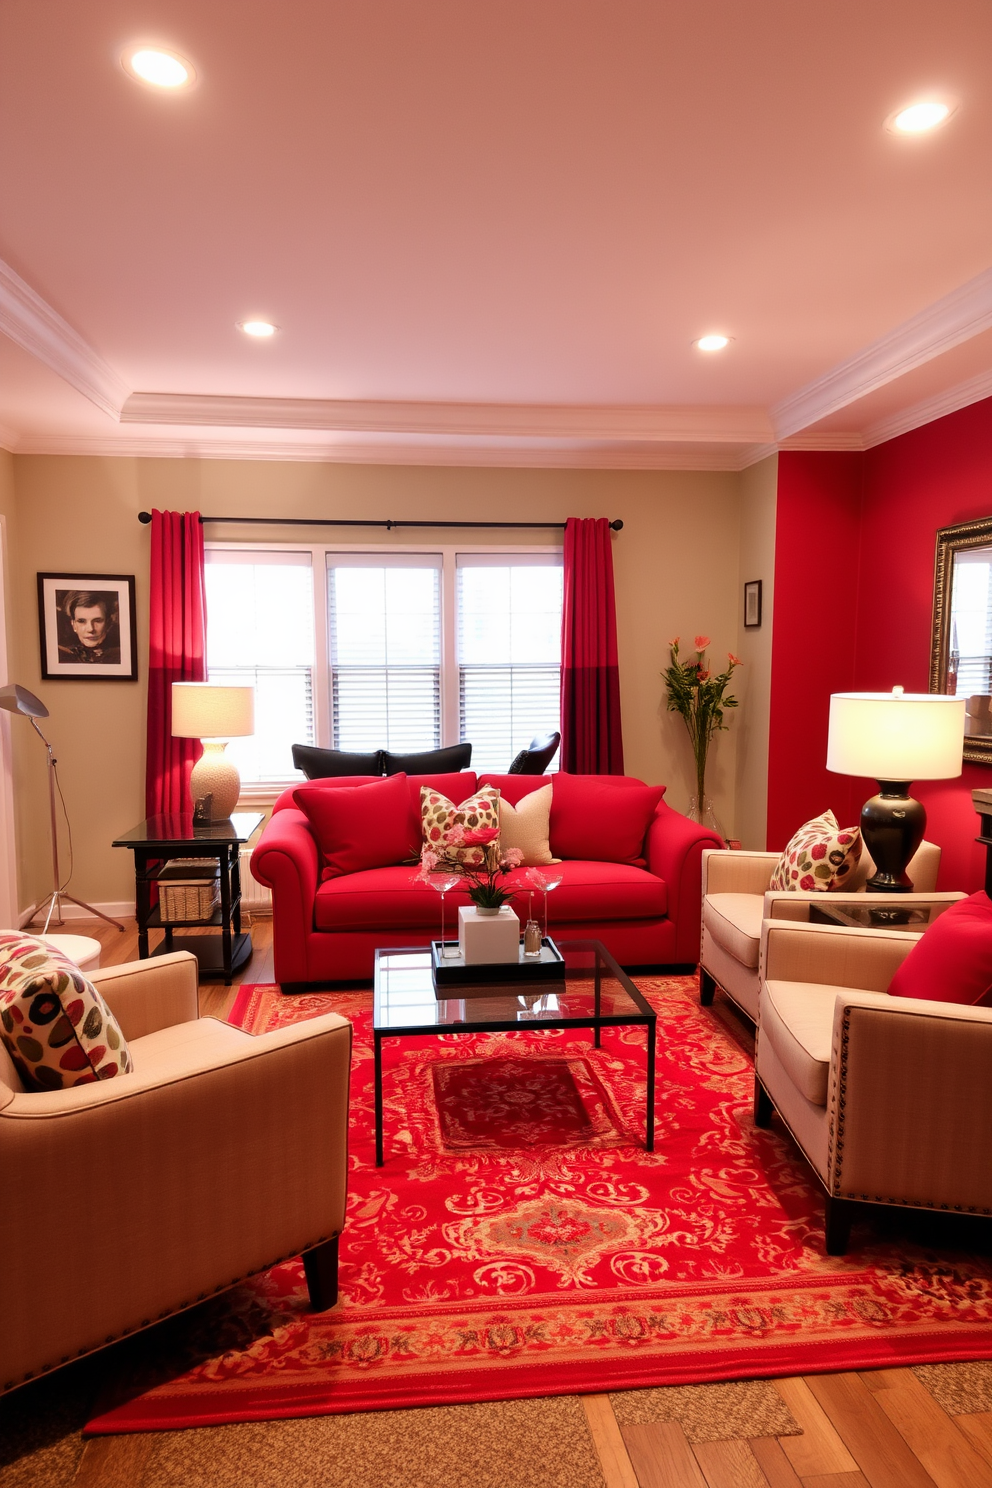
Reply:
x=18, y=700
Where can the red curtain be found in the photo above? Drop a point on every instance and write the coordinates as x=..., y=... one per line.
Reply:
x=176, y=653
x=591, y=739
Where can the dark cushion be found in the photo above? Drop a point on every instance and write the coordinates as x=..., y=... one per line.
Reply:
x=430, y=762
x=952, y=960
x=318, y=764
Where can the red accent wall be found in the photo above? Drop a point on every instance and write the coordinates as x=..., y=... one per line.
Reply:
x=814, y=631
x=929, y=478
x=855, y=538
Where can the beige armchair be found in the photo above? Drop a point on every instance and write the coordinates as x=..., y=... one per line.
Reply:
x=887, y=1097
x=736, y=898
x=129, y=1199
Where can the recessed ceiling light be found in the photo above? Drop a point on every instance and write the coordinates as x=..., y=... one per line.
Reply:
x=712, y=343
x=918, y=118
x=160, y=68
x=258, y=328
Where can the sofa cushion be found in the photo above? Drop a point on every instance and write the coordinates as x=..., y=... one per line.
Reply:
x=797, y=1019
x=54, y=1024
x=286, y=801
x=429, y=761
x=318, y=764
x=356, y=827
x=457, y=786
x=395, y=899
x=514, y=788
x=476, y=813
x=821, y=856
x=952, y=960
x=595, y=817
x=526, y=827
x=183, y=1048
x=734, y=921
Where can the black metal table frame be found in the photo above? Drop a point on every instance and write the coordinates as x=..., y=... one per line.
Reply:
x=597, y=1022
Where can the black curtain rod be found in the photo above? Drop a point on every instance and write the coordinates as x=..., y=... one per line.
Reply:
x=345, y=522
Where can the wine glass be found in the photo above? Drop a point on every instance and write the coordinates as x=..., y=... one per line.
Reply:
x=443, y=881
x=551, y=881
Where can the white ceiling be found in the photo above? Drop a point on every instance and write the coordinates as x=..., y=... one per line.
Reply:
x=491, y=233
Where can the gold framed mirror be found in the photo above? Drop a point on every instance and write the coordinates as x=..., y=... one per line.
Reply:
x=961, y=652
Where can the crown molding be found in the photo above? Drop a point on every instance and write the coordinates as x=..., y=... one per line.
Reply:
x=719, y=458
x=670, y=425
x=949, y=401
x=965, y=312
x=33, y=325
x=825, y=441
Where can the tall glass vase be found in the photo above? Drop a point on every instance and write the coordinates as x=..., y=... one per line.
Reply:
x=705, y=815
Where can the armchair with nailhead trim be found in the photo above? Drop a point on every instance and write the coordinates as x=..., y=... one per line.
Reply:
x=888, y=1098
x=220, y=1154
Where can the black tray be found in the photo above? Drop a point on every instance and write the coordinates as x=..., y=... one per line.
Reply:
x=452, y=971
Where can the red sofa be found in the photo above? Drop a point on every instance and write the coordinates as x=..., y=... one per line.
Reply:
x=328, y=932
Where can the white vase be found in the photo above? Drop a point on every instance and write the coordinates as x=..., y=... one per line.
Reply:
x=705, y=817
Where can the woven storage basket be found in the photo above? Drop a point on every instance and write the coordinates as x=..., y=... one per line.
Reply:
x=188, y=889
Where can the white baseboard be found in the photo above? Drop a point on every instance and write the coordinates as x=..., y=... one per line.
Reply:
x=117, y=909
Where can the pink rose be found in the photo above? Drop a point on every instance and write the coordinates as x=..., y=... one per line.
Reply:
x=512, y=858
x=481, y=837
x=702, y=642
x=456, y=836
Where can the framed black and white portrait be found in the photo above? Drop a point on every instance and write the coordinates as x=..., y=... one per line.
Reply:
x=87, y=627
x=752, y=604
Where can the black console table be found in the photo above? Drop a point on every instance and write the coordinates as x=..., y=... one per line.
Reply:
x=160, y=838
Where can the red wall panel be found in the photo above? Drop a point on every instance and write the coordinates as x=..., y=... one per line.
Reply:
x=855, y=539
x=817, y=536
x=929, y=478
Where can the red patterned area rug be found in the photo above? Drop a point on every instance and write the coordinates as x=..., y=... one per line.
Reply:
x=568, y=1259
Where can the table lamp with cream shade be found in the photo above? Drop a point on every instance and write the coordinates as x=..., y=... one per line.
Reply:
x=896, y=737
x=213, y=713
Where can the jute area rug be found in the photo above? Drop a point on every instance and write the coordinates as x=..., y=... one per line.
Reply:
x=473, y=1273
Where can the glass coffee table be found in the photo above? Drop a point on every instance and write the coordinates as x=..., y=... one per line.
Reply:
x=596, y=994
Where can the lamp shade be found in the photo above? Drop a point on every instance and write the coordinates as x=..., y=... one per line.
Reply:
x=205, y=710
x=896, y=735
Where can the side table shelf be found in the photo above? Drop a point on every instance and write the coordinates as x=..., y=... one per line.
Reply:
x=161, y=838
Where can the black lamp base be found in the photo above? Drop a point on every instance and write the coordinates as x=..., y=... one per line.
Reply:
x=892, y=826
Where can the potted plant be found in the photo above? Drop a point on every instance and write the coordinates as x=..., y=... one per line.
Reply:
x=699, y=697
x=482, y=879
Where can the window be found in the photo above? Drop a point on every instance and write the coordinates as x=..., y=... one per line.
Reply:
x=509, y=655
x=384, y=625
x=394, y=649
x=260, y=630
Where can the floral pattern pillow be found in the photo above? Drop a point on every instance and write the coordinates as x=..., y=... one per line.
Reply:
x=820, y=856
x=54, y=1024
x=478, y=812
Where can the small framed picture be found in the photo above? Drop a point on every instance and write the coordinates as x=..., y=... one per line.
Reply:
x=87, y=627
x=752, y=604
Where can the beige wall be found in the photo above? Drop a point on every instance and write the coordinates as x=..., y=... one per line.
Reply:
x=758, y=498
x=676, y=564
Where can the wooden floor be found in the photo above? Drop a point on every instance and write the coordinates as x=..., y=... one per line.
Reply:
x=878, y=1429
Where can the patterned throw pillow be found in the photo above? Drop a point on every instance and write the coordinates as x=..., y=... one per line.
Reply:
x=437, y=814
x=55, y=1025
x=821, y=855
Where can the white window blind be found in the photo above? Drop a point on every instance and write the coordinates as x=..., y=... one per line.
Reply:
x=260, y=631
x=384, y=641
x=509, y=654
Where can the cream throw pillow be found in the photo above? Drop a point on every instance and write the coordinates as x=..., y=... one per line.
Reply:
x=526, y=826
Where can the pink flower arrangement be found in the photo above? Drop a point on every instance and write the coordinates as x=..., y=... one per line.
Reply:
x=482, y=878
x=700, y=697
